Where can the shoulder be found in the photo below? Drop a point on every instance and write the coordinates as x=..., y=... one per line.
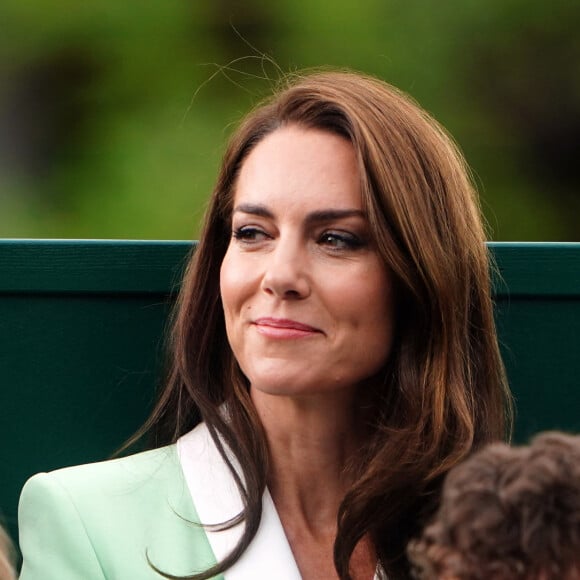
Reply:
x=117, y=513
x=118, y=484
x=128, y=491
x=114, y=476
x=133, y=490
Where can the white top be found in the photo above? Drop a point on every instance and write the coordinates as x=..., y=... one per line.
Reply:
x=217, y=499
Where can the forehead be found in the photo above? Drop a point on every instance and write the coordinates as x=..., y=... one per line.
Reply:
x=294, y=167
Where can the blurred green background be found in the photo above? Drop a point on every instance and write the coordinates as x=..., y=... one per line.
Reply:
x=114, y=114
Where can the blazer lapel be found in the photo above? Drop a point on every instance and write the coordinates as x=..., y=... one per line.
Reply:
x=217, y=500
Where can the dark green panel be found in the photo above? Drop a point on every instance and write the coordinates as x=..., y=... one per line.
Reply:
x=540, y=345
x=81, y=326
x=77, y=378
x=90, y=265
x=538, y=317
x=537, y=269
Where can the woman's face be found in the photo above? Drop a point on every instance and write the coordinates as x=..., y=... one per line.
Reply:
x=308, y=302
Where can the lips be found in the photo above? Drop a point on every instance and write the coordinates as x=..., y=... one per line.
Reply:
x=284, y=328
x=285, y=323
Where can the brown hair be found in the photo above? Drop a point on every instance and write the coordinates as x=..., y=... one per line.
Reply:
x=443, y=391
x=508, y=514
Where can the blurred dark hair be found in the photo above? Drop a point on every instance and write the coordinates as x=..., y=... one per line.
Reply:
x=443, y=391
x=508, y=514
x=7, y=557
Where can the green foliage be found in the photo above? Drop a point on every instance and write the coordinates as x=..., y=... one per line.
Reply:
x=113, y=115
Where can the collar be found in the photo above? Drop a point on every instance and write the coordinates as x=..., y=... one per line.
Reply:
x=217, y=499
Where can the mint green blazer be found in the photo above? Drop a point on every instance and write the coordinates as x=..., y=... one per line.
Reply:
x=103, y=521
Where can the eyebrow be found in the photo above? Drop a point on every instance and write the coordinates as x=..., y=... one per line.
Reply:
x=319, y=216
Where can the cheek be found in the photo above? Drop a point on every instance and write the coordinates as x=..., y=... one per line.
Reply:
x=228, y=286
x=231, y=282
x=225, y=282
x=371, y=304
x=369, y=298
x=237, y=289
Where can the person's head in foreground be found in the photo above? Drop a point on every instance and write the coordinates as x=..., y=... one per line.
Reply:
x=6, y=557
x=507, y=514
x=341, y=284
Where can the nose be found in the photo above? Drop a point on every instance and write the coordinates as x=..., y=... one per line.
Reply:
x=286, y=272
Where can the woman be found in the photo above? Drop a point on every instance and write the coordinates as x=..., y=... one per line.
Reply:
x=335, y=335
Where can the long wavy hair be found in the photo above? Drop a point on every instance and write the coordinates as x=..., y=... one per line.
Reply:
x=443, y=391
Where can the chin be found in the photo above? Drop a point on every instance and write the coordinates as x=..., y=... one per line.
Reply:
x=281, y=389
x=297, y=388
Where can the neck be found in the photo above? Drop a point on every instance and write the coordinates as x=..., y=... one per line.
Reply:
x=311, y=440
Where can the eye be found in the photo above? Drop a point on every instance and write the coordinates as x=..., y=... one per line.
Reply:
x=338, y=240
x=249, y=234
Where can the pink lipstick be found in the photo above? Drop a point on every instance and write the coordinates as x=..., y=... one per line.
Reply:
x=283, y=328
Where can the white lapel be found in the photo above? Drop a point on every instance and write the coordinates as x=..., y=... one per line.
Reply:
x=217, y=499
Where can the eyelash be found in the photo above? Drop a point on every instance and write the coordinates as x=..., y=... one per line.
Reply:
x=248, y=234
x=336, y=241
x=340, y=240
